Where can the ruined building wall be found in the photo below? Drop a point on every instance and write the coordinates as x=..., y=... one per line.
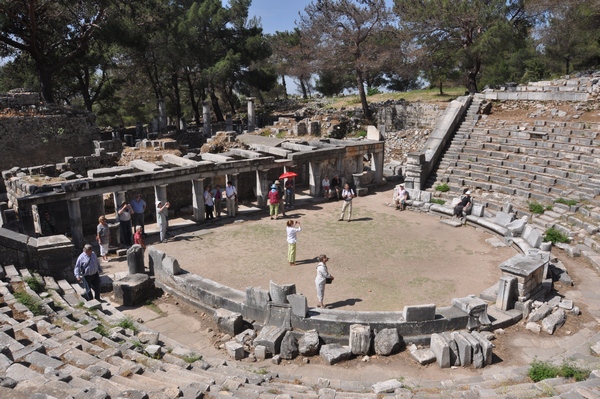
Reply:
x=404, y=115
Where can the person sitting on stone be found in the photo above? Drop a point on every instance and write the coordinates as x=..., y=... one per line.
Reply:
x=400, y=197
x=464, y=206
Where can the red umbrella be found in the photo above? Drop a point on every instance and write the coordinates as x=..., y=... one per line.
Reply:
x=288, y=175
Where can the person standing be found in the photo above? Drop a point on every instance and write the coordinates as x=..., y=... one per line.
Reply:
x=321, y=279
x=326, y=187
x=347, y=195
x=289, y=193
x=217, y=198
x=281, y=192
x=162, y=209
x=139, y=207
x=125, y=214
x=87, y=268
x=231, y=196
x=292, y=230
x=103, y=237
x=208, y=204
x=335, y=185
x=273, y=202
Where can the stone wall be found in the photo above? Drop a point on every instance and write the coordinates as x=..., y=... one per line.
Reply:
x=405, y=115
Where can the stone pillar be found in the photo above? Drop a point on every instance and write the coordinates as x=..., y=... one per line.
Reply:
x=251, y=115
x=359, y=164
x=314, y=178
x=206, y=128
x=262, y=188
x=377, y=166
x=162, y=116
x=75, y=222
x=3, y=207
x=198, y=200
x=182, y=125
x=119, y=198
x=228, y=123
x=160, y=192
x=37, y=222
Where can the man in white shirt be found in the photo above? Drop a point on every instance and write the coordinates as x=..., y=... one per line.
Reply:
x=231, y=195
x=347, y=196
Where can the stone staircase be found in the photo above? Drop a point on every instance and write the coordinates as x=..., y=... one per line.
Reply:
x=76, y=349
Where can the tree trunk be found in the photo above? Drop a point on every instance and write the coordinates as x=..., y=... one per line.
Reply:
x=45, y=77
x=193, y=99
x=216, y=107
x=285, y=95
x=568, y=66
x=472, y=77
x=441, y=88
x=303, y=87
x=175, y=84
x=362, y=94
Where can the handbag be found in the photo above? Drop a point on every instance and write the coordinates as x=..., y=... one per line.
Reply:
x=328, y=280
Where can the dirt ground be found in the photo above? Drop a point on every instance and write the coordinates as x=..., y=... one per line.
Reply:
x=382, y=260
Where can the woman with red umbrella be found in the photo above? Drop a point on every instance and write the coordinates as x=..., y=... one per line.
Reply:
x=289, y=188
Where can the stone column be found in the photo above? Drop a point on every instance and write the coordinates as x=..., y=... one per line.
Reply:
x=228, y=123
x=377, y=166
x=3, y=207
x=37, y=222
x=359, y=164
x=262, y=188
x=198, y=200
x=251, y=115
x=160, y=192
x=119, y=198
x=162, y=116
x=314, y=178
x=75, y=222
x=206, y=119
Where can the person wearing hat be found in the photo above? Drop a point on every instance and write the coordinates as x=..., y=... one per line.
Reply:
x=400, y=197
x=162, y=208
x=464, y=205
x=274, y=200
x=281, y=195
x=326, y=187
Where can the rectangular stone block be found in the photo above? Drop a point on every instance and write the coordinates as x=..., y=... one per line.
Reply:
x=299, y=304
x=419, y=312
x=270, y=337
x=133, y=289
x=465, y=350
x=441, y=349
x=235, y=350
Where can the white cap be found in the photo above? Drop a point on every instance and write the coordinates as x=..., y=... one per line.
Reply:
x=468, y=192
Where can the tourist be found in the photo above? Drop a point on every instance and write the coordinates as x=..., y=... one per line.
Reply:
x=292, y=229
x=347, y=195
x=125, y=214
x=162, y=210
x=289, y=193
x=231, y=196
x=400, y=197
x=326, y=187
x=464, y=206
x=336, y=185
x=208, y=203
x=48, y=225
x=139, y=207
x=103, y=237
x=138, y=239
x=217, y=194
x=321, y=279
x=274, y=200
x=281, y=192
x=88, y=270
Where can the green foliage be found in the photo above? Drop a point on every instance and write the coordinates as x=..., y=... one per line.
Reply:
x=536, y=208
x=569, y=202
x=443, y=188
x=101, y=329
x=191, y=358
x=542, y=370
x=361, y=133
x=128, y=324
x=549, y=207
x=371, y=91
x=555, y=236
x=438, y=201
x=35, y=284
x=85, y=322
x=30, y=302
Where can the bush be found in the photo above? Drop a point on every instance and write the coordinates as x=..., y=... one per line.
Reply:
x=35, y=284
x=371, y=91
x=438, y=201
x=127, y=323
x=534, y=207
x=566, y=201
x=442, y=188
x=542, y=370
x=555, y=236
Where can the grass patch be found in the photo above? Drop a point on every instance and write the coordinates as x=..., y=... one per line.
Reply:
x=192, y=358
x=35, y=284
x=443, y=188
x=127, y=323
x=438, y=201
x=101, y=329
x=542, y=370
x=30, y=302
x=152, y=306
x=569, y=202
x=536, y=208
x=555, y=236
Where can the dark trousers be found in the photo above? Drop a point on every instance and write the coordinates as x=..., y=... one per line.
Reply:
x=126, y=238
x=93, y=284
x=208, y=211
x=137, y=219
